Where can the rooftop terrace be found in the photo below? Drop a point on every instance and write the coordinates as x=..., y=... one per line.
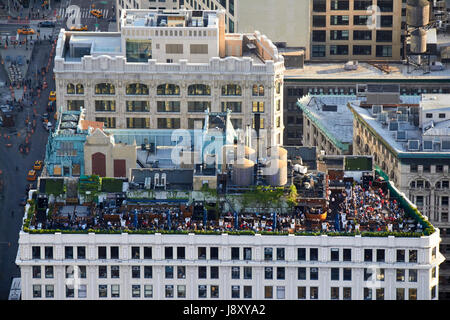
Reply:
x=364, y=209
x=168, y=18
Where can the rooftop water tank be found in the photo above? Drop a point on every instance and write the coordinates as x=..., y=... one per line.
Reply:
x=418, y=43
x=417, y=13
x=232, y=152
x=276, y=172
x=243, y=173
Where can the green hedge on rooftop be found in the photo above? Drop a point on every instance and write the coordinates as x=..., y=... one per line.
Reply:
x=54, y=186
x=111, y=185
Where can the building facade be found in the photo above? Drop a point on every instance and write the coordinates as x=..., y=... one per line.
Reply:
x=343, y=30
x=126, y=266
x=104, y=157
x=311, y=79
x=166, y=76
x=419, y=170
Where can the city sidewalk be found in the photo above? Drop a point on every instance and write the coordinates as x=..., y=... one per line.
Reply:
x=34, y=12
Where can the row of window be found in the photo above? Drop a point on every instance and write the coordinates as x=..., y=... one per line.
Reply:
x=168, y=89
x=173, y=123
x=321, y=5
x=426, y=168
x=381, y=35
x=237, y=253
x=320, y=21
x=381, y=50
x=168, y=106
x=79, y=272
x=169, y=292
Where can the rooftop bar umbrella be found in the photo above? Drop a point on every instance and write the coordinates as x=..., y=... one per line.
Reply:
x=274, y=221
x=337, y=225
x=135, y=218
x=204, y=216
x=169, y=219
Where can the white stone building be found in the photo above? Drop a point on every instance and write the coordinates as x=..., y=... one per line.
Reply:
x=163, y=70
x=127, y=266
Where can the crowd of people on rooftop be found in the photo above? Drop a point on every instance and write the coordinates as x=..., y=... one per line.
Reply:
x=368, y=209
x=352, y=210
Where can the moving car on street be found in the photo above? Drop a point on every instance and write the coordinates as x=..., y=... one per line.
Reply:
x=52, y=96
x=97, y=13
x=79, y=28
x=31, y=175
x=46, y=24
x=25, y=30
x=37, y=165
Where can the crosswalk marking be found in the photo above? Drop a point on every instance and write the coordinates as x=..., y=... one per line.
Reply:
x=84, y=13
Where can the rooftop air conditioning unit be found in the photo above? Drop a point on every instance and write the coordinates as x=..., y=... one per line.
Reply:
x=376, y=109
x=413, y=145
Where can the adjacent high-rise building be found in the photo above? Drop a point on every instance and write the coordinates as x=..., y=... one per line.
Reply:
x=354, y=29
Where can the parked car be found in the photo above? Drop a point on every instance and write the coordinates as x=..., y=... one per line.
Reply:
x=46, y=24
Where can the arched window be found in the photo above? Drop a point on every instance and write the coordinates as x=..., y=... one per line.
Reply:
x=199, y=90
x=168, y=89
x=105, y=88
x=137, y=89
x=258, y=90
x=70, y=88
x=80, y=88
x=366, y=148
x=420, y=184
x=443, y=184
x=231, y=90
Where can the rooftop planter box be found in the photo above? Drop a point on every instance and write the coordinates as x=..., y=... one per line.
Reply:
x=89, y=183
x=235, y=233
